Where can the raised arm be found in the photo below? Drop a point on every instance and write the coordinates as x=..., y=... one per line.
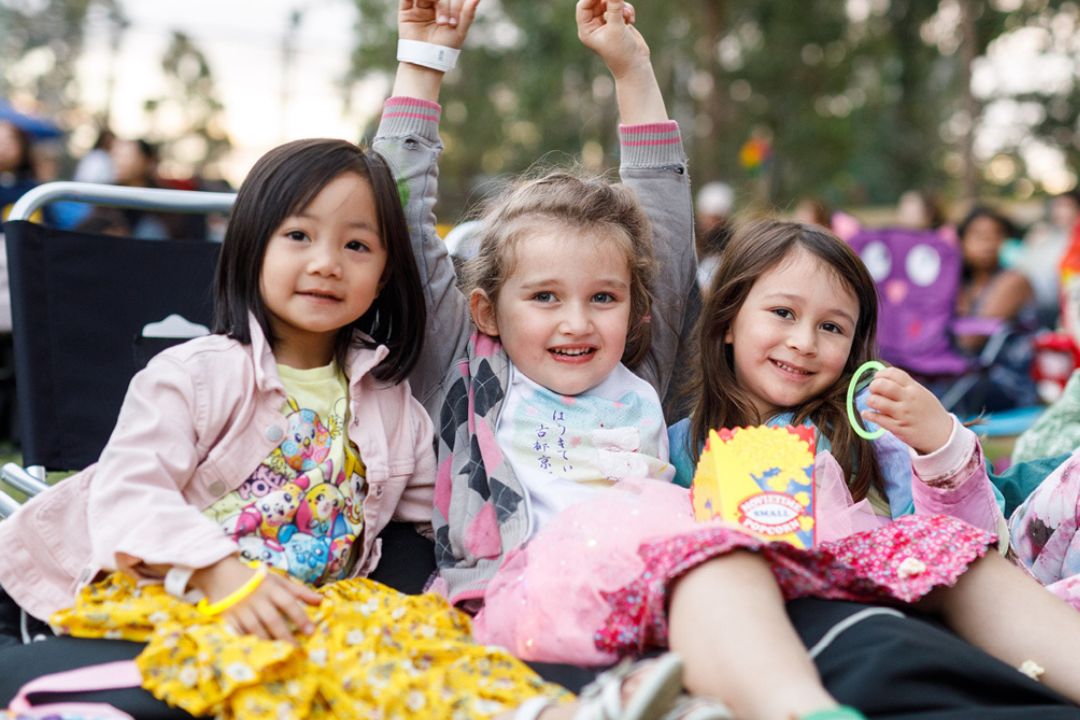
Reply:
x=408, y=137
x=653, y=163
x=607, y=28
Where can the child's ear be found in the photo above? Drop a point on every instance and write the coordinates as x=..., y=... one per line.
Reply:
x=483, y=312
x=729, y=338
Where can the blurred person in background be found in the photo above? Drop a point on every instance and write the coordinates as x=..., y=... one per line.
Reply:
x=987, y=288
x=712, y=210
x=990, y=291
x=919, y=210
x=16, y=166
x=812, y=211
x=96, y=166
x=135, y=165
x=1042, y=250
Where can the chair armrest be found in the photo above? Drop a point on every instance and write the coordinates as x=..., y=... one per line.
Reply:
x=985, y=326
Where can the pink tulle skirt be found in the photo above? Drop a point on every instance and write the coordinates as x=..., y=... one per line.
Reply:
x=593, y=585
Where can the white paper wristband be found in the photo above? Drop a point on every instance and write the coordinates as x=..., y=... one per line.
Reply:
x=177, y=579
x=429, y=55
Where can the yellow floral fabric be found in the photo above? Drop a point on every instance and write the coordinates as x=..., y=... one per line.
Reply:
x=375, y=653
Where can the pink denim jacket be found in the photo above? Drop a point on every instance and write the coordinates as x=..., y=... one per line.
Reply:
x=194, y=425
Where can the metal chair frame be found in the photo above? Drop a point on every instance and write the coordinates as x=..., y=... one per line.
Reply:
x=32, y=480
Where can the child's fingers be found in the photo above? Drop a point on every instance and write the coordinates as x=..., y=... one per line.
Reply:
x=614, y=12
x=444, y=10
x=881, y=405
x=879, y=420
x=629, y=14
x=456, y=11
x=895, y=374
x=454, y=15
x=468, y=14
x=303, y=593
x=294, y=612
x=885, y=387
x=586, y=11
x=246, y=621
x=272, y=620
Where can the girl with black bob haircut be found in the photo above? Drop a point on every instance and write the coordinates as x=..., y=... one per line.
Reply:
x=284, y=182
x=237, y=507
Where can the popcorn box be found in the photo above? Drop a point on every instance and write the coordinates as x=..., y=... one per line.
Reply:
x=760, y=478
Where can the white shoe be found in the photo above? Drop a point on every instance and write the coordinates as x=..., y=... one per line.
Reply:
x=698, y=708
x=659, y=685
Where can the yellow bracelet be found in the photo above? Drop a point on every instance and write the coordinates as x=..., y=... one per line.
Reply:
x=236, y=596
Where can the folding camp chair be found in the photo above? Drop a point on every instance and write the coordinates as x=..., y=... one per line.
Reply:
x=88, y=311
x=918, y=274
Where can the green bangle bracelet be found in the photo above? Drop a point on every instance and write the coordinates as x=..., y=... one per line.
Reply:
x=859, y=430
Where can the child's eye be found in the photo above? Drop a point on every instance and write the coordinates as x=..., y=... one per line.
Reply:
x=603, y=297
x=544, y=297
x=783, y=312
x=832, y=328
x=357, y=245
x=297, y=235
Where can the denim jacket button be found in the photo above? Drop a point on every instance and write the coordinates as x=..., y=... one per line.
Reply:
x=274, y=433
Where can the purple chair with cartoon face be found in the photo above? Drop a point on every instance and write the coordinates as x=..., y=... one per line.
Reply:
x=918, y=276
x=917, y=273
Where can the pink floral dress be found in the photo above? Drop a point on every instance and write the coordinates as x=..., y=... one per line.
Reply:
x=593, y=584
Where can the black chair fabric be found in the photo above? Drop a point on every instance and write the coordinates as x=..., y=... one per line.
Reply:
x=79, y=303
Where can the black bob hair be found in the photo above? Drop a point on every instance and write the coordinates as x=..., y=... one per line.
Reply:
x=282, y=183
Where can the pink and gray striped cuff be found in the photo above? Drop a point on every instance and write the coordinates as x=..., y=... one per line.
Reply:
x=411, y=115
x=400, y=106
x=651, y=144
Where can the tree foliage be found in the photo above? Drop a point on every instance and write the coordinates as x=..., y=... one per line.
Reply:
x=51, y=33
x=858, y=101
x=41, y=41
x=190, y=97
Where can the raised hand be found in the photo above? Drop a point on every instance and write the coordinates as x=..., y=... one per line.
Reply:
x=908, y=410
x=442, y=22
x=606, y=27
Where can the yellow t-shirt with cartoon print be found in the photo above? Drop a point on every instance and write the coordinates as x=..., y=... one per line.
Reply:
x=302, y=508
x=374, y=651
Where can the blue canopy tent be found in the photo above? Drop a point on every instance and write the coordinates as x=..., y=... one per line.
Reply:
x=38, y=128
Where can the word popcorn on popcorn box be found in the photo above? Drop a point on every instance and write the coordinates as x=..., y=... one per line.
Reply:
x=760, y=478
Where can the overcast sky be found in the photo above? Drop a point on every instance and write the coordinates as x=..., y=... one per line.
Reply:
x=242, y=40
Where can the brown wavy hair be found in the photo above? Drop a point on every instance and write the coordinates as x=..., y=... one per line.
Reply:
x=588, y=204
x=755, y=249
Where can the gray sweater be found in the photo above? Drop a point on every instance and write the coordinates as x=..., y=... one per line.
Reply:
x=479, y=511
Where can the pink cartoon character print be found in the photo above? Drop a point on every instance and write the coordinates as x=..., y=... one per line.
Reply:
x=352, y=483
x=254, y=549
x=244, y=523
x=307, y=441
x=278, y=509
x=338, y=563
x=320, y=511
